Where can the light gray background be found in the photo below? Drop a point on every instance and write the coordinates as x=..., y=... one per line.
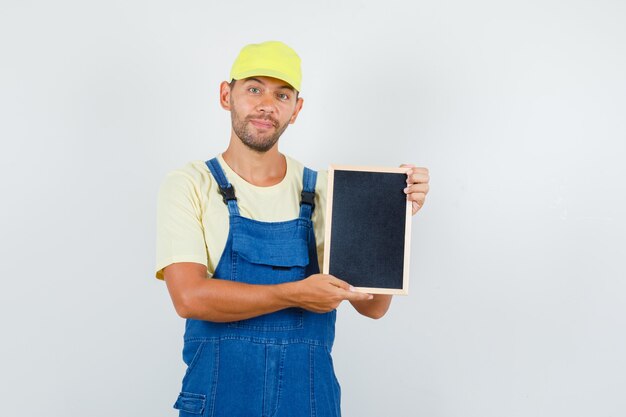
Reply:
x=518, y=290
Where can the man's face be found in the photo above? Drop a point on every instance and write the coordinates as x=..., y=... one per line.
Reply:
x=261, y=108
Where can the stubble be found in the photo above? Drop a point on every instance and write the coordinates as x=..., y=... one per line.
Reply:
x=246, y=132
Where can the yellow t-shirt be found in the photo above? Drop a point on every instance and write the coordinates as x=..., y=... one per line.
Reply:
x=192, y=219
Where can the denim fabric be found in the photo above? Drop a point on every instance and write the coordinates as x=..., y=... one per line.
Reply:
x=275, y=365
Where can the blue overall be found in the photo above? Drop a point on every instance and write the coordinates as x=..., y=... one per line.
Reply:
x=274, y=365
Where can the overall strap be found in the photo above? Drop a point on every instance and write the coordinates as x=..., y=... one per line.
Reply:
x=307, y=200
x=225, y=188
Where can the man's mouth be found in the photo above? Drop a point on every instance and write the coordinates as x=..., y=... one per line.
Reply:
x=262, y=123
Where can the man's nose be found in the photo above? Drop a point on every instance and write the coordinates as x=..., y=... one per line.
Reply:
x=266, y=103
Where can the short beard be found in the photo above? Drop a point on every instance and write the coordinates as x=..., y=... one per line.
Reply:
x=243, y=131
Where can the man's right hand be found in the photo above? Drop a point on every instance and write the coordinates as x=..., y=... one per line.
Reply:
x=321, y=293
x=219, y=300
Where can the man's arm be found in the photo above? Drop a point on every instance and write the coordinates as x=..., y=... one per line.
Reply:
x=374, y=308
x=195, y=296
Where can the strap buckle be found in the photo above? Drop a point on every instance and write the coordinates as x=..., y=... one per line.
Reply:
x=228, y=193
x=307, y=197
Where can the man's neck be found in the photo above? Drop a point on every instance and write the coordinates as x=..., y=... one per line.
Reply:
x=262, y=169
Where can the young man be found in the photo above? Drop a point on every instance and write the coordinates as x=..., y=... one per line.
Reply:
x=239, y=242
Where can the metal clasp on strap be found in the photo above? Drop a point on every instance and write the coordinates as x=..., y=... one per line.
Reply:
x=307, y=197
x=228, y=194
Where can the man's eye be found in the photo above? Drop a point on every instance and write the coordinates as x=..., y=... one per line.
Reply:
x=254, y=90
x=283, y=96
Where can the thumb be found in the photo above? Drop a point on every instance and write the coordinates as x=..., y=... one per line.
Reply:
x=358, y=296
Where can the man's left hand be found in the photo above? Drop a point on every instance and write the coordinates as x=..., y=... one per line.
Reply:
x=417, y=179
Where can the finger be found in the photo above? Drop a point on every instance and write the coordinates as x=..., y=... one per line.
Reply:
x=358, y=296
x=417, y=188
x=415, y=178
x=339, y=283
x=418, y=198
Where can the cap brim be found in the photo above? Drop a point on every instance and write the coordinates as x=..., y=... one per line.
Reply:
x=262, y=72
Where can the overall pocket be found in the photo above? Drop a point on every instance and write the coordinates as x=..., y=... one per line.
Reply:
x=270, y=261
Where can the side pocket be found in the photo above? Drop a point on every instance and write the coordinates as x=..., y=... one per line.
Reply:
x=197, y=394
x=191, y=354
x=189, y=403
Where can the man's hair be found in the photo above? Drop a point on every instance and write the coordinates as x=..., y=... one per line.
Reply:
x=232, y=84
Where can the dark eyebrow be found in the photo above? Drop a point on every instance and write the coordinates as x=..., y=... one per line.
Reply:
x=287, y=86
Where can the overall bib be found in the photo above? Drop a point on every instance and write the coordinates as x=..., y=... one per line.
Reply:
x=275, y=365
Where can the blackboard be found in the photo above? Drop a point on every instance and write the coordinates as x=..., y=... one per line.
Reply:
x=368, y=228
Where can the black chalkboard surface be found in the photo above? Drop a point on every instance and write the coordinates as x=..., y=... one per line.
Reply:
x=368, y=228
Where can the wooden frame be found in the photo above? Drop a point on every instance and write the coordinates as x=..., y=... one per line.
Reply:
x=407, y=229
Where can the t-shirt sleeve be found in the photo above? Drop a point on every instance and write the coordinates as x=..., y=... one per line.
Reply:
x=180, y=234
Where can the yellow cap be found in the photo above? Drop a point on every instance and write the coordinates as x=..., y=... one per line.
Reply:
x=270, y=59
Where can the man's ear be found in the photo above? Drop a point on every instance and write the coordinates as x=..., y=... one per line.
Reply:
x=225, y=95
x=299, y=104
